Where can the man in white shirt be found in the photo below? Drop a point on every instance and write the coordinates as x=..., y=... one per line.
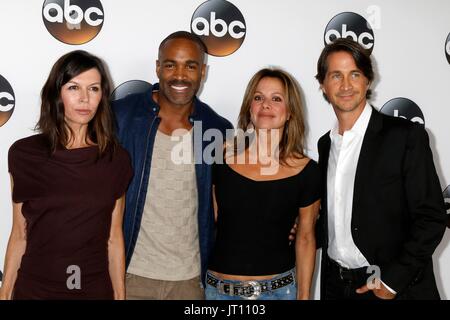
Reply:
x=383, y=212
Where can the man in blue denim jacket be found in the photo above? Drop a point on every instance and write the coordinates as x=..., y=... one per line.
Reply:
x=169, y=220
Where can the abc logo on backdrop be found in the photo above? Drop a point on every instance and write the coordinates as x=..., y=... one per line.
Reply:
x=7, y=101
x=73, y=21
x=446, y=195
x=447, y=48
x=350, y=25
x=220, y=25
x=130, y=87
x=403, y=108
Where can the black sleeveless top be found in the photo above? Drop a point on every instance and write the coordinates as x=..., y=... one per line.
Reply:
x=255, y=218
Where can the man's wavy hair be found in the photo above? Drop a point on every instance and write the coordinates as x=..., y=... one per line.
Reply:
x=359, y=54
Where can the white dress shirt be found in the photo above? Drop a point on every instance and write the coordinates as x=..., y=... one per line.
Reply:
x=342, y=162
x=344, y=155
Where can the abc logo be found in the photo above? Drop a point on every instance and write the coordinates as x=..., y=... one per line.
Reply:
x=130, y=87
x=447, y=48
x=403, y=108
x=350, y=25
x=7, y=101
x=73, y=21
x=220, y=25
x=446, y=195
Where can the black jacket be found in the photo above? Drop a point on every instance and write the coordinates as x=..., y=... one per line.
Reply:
x=398, y=216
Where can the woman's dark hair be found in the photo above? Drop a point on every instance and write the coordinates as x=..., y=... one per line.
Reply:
x=359, y=54
x=52, y=121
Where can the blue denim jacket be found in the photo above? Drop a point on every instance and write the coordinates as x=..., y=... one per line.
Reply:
x=137, y=123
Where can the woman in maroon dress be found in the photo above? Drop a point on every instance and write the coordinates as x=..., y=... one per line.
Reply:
x=68, y=186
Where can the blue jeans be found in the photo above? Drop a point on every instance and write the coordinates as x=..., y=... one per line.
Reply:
x=287, y=292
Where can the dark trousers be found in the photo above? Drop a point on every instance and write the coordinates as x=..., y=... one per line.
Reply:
x=341, y=283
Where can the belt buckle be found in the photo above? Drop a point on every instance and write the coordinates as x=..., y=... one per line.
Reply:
x=256, y=289
x=346, y=274
x=341, y=275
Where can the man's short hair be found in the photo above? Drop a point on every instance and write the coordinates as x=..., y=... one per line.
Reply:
x=183, y=35
x=359, y=54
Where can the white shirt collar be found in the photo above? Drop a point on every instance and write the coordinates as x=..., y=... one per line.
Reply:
x=359, y=127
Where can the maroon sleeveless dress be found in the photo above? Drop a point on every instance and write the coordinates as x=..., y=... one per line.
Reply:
x=68, y=198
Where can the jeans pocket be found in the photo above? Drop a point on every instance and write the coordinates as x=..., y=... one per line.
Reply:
x=210, y=292
x=288, y=292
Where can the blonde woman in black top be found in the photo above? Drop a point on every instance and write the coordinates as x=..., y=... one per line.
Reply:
x=259, y=192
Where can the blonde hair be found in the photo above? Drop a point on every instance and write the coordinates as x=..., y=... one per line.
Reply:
x=292, y=139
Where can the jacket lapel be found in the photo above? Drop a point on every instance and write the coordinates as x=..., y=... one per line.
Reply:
x=322, y=226
x=324, y=153
x=367, y=156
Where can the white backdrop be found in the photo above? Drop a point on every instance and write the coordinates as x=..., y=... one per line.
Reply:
x=408, y=53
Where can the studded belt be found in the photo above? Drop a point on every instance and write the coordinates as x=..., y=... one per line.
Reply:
x=248, y=289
